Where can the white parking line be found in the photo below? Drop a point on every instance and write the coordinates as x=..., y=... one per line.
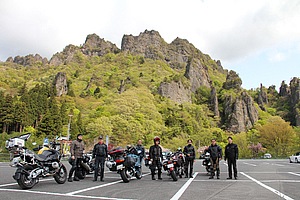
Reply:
x=183, y=188
x=294, y=173
x=96, y=187
x=249, y=164
x=59, y=194
x=279, y=165
x=267, y=187
x=9, y=184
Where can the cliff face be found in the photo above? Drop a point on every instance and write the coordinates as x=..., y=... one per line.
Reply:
x=175, y=91
x=179, y=54
x=240, y=114
x=60, y=84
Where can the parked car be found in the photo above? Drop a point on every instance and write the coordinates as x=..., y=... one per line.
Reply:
x=267, y=155
x=295, y=158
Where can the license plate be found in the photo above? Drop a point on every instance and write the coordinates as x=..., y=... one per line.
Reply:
x=119, y=167
x=170, y=165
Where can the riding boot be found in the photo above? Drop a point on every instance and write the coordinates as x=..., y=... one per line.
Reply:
x=153, y=178
x=159, y=174
x=186, y=173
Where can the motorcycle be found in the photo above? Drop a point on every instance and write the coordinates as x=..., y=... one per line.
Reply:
x=125, y=162
x=169, y=165
x=179, y=166
x=31, y=166
x=206, y=162
x=86, y=166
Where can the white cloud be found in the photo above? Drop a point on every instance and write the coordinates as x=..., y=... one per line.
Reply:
x=228, y=30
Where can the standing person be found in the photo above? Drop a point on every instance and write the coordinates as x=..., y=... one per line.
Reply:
x=231, y=155
x=76, y=149
x=141, y=150
x=189, y=152
x=215, y=157
x=100, y=155
x=155, y=154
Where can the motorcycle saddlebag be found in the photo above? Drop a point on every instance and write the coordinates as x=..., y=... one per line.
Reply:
x=129, y=161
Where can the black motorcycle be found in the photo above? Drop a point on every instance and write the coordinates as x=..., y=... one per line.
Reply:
x=170, y=165
x=87, y=166
x=31, y=167
x=179, y=165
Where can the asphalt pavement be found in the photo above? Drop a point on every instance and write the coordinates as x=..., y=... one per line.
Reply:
x=257, y=179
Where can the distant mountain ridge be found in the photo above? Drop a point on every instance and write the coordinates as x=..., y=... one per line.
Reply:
x=236, y=109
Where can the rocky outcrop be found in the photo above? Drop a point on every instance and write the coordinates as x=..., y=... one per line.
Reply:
x=262, y=98
x=64, y=57
x=123, y=84
x=28, y=60
x=96, y=46
x=60, y=84
x=284, y=89
x=175, y=91
x=233, y=81
x=214, y=102
x=179, y=54
x=197, y=74
x=240, y=113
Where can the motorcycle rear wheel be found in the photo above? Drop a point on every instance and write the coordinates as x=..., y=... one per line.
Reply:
x=124, y=176
x=61, y=176
x=173, y=175
x=26, y=183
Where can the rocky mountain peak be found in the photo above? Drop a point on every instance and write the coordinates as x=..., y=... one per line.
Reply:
x=28, y=60
x=233, y=81
x=96, y=46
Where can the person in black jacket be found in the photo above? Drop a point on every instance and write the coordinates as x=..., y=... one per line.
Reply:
x=189, y=152
x=231, y=155
x=215, y=157
x=155, y=154
x=100, y=155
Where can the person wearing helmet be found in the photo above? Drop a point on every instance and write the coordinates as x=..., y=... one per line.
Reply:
x=76, y=149
x=189, y=152
x=100, y=155
x=155, y=154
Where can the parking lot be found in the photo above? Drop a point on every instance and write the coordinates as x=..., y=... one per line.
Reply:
x=257, y=179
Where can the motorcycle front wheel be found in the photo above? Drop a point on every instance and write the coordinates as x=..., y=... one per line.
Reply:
x=61, y=176
x=25, y=182
x=124, y=175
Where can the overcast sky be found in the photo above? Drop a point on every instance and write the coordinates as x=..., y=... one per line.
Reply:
x=259, y=39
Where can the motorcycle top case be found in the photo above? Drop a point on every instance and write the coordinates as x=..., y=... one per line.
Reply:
x=129, y=161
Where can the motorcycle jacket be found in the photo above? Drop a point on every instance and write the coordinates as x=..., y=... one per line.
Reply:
x=189, y=149
x=155, y=152
x=77, y=148
x=231, y=151
x=100, y=150
x=215, y=151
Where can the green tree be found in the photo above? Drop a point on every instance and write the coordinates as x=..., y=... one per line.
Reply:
x=277, y=136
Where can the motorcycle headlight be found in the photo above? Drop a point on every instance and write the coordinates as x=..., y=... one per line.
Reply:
x=109, y=164
x=15, y=161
